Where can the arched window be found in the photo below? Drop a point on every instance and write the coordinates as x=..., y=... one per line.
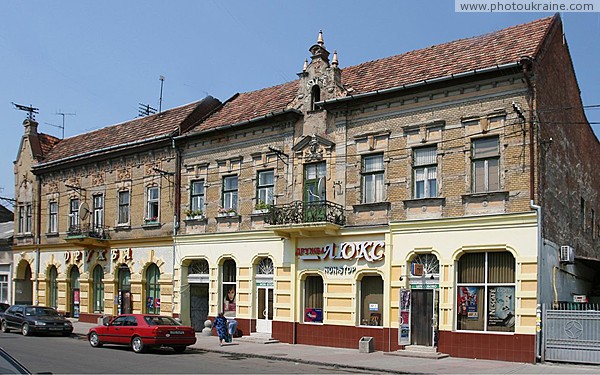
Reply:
x=315, y=96
x=98, y=286
x=229, y=288
x=52, y=287
x=152, y=289
x=371, y=301
x=313, y=299
x=486, y=292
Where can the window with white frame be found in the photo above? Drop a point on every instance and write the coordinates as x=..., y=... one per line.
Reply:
x=229, y=288
x=73, y=213
x=230, y=192
x=4, y=297
x=152, y=204
x=372, y=178
x=486, y=292
x=486, y=168
x=425, y=172
x=21, y=219
x=53, y=217
x=313, y=299
x=197, y=196
x=98, y=210
x=264, y=188
x=25, y=218
x=123, y=217
x=28, y=218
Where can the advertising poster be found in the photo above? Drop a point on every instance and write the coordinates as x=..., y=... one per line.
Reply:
x=229, y=301
x=404, y=324
x=467, y=301
x=313, y=315
x=501, y=307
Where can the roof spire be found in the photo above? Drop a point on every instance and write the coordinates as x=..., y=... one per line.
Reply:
x=320, y=39
x=334, y=60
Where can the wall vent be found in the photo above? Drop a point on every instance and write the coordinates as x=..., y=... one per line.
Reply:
x=567, y=254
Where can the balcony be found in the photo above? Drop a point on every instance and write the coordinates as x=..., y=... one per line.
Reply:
x=88, y=235
x=306, y=218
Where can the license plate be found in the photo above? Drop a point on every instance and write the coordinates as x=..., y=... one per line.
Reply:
x=176, y=332
x=55, y=329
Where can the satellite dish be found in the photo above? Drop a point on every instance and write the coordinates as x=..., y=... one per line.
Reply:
x=84, y=211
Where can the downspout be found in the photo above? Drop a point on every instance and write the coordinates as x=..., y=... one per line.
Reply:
x=527, y=65
x=176, y=209
x=38, y=224
x=538, y=311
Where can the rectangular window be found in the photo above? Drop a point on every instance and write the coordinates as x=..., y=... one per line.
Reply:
x=314, y=183
x=313, y=299
x=264, y=188
x=29, y=218
x=123, y=208
x=486, y=292
x=53, y=217
x=425, y=172
x=197, y=196
x=372, y=178
x=74, y=213
x=230, y=192
x=4, y=288
x=21, y=219
x=486, y=168
x=98, y=210
x=152, y=208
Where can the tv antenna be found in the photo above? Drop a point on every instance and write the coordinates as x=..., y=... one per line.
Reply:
x=63, y=114
x=162, y=81
x=145, y=110
x=30, y=110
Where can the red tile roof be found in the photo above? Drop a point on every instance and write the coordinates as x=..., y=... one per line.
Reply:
x=496, y=48
x=139, y=129
x=47, y=142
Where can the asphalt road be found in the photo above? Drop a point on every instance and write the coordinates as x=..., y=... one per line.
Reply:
x=64, y=355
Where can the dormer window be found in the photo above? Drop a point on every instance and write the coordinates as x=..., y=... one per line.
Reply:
x=315, y=97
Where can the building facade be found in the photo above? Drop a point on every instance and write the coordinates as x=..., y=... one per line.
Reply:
x=415, y=199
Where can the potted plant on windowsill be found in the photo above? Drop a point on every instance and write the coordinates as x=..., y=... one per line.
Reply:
x=261, y=207
x=231, y=212
x=151, y=220
x=194, y=214
x=222, y=212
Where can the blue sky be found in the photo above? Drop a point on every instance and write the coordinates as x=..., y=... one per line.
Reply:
x=100, y=59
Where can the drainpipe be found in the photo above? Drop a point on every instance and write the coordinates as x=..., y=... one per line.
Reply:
x=177, y=204
x=38, y=229
x=538, y=338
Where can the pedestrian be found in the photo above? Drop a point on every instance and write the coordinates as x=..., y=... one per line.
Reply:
x=220, y=323
x=232, y=327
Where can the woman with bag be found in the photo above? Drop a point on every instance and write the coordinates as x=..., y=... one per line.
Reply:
x=220, y=323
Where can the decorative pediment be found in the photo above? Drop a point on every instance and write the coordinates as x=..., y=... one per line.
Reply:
x=313, y=147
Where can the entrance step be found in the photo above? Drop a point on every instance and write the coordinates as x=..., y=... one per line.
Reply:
x=417, y=351
x=259, y=338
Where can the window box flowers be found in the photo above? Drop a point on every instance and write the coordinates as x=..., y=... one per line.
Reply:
x=225, y=212
x=194, y=214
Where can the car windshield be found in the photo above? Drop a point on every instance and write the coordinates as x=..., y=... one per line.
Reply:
x=40, y=311
x=161, y=321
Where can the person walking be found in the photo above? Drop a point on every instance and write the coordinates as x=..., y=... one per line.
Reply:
x=220, y=323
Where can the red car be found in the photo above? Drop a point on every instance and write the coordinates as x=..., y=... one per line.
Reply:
x=142, y=331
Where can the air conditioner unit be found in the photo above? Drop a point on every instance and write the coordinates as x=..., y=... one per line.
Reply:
x=567, y=254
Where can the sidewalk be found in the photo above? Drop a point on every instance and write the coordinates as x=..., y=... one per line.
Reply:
x=372, y=362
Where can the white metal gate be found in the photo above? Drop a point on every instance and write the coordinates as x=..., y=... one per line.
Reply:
x=571, y=335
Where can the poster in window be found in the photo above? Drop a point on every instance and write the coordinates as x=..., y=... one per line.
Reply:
x=313, y=315
x=501, y=307
x=404, y=323
x=229, y=301
x=467, y=302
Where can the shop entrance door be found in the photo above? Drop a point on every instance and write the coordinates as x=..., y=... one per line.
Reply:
x=264, y=315
x=198, y=305
x=421, y=317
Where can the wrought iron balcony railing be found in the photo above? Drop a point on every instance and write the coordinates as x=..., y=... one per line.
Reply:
x=299, y=212
x=99, y=232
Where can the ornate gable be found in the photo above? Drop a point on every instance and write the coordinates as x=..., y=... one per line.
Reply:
x=313, y=147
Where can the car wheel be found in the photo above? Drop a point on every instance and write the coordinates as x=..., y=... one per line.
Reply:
x=25, y=329
x=179, y=349
x=4, y=327
x=95, y=340
x=137, y=344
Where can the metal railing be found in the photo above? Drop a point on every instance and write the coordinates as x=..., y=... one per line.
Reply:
x=299, y=212
x=85, y=230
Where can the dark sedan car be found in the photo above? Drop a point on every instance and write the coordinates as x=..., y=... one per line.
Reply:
x=35, y=319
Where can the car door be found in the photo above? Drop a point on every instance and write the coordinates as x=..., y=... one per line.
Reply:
x=14, y=317
x=115, y=331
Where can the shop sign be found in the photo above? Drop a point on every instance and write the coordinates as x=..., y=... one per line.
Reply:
x=580, y=298
x=124, y=254
x=425, y=285
x=265, y=283
x=371, y=251
x=313, y=315
x=198, y=278
x=404, y=323
x=501, y=307
x=343, y=270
